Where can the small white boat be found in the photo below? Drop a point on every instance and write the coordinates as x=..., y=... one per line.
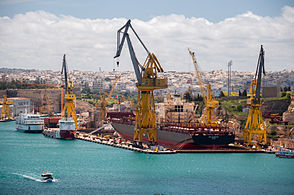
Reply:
x=47, y=177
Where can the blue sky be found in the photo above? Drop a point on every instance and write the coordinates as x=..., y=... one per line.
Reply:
x=36, y=34
x=213, y=10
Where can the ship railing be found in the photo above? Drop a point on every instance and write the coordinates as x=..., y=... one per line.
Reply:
x=126, y=121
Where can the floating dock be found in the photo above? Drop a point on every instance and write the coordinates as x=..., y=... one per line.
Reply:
x=116, y=142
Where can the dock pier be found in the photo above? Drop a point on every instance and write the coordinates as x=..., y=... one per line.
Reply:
x=128, y=146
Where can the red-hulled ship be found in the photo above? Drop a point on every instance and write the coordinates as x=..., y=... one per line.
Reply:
x=66, y=130
x=176, y=136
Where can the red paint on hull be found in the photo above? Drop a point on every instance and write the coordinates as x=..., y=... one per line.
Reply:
x=178, y=146
x=57, y=134
x=284, y=156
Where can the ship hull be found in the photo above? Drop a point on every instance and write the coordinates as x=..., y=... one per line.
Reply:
x=60, y=134
x=177, y=140
x=285, y=156
x=29, y=128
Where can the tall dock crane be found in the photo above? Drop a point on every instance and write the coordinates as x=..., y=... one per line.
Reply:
x=5, y=108
x=147, y=82
x=255, y=124
x=208, y=117
x=69, y=107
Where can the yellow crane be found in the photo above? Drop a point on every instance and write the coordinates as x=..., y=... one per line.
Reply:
x=104, y=101
x=69, y=106
x=255, y=125
x=46, y=106
x=147, y=82
x=5, y=108
x=208, y=117
x=112, y=88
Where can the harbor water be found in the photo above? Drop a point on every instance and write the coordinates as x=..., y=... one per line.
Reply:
x=82, y=167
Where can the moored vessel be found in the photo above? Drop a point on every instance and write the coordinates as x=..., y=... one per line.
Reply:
x=66, y=130
x=176, y=136
x=29, y=123
x=285, y=153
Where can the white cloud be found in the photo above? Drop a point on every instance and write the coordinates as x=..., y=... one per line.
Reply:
x=39, y=40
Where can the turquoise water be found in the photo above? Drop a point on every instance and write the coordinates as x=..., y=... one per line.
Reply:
x=88, y=168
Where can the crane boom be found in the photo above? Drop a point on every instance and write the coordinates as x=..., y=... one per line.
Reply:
x=63, y=70
x=197, y=72
x=113, y=86
x=120, y=43
x=258, y=74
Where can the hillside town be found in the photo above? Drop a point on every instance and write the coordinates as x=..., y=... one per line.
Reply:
x=178, y=82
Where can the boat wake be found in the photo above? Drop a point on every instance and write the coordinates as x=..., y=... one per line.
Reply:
x=34, y=178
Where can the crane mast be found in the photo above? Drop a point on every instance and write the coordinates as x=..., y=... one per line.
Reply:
x=208, y=117
x=69, y=106
x=6, y=112
x=147, y=82
x=255, y=125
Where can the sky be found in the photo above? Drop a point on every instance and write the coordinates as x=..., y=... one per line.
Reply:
x=34, y=34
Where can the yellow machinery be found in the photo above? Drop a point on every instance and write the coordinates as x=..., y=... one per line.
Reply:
x=255, y=125
x=5, y=108
x=147, y=82
x=112, y=89
x=69, y=105
x=46, y=106
x=208, y=117
x=104, y=101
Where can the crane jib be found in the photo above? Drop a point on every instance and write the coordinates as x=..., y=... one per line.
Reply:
x=65, y=72
x=120, y=42
x=259, y=71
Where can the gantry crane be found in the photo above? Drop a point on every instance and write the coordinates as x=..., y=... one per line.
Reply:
x=5, y=108
x=255, y=124
x=147, y=82
x=69, y=106
x=208, y=117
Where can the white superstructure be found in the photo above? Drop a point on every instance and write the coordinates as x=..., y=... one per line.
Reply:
x=30, y=123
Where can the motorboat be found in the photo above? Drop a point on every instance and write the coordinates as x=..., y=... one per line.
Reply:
x=47, y=177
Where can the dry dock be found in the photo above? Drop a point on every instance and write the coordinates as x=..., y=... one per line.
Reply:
x=116, y=142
